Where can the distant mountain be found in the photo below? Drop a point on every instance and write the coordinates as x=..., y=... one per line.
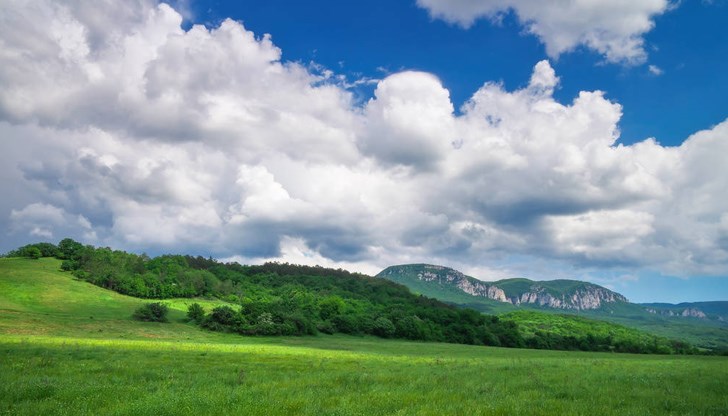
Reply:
x=701, y=323
x=715, y=310
x=449, y=284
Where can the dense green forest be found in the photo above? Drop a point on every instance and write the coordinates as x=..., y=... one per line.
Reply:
x=287, y=299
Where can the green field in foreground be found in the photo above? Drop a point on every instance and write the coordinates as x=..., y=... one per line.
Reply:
x=67, y=347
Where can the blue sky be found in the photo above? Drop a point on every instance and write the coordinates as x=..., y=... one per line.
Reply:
x=504, y=138
x=369, y=39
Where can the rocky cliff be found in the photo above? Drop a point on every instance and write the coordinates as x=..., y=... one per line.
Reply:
x=686, y=313
x=591, y=297
x=558, y=294
x=445, y=275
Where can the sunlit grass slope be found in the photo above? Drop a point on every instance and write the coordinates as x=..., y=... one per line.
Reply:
x=36, y=298
x=56, y=359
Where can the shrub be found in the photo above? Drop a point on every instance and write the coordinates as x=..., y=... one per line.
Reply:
x=196, y=313
x=69, y=265
x=33, y=253
x=225, y=318
x=325, y=327
x=152, y=312
x=383, y=327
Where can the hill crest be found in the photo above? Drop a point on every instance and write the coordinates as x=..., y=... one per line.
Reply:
x=557, y=294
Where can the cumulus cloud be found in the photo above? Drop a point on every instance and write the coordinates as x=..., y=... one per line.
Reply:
x=135, y=133
x=410, y=121
x=46, y=222
x=614, y=29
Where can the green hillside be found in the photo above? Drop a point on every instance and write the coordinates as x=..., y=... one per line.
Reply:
x=705, y=333
x=71, y=348
x=709, y=333
x=548, y=330
x=37, y=298
x=280, y=298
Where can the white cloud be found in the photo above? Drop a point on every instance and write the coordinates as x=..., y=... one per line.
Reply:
x=136, y=134
x=655, y=70
x=611, y=28
x=409, y=122
x=47, y=221
x=613, y=234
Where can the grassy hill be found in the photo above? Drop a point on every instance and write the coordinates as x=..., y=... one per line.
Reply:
x=37, y=298
x=547, y=330
x=68, y=347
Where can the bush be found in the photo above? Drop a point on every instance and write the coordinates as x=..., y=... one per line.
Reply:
x=383, y=327
x=225, y=318
x=152, y=312
x=33, y=253
x=326, y=327
x=196, y=313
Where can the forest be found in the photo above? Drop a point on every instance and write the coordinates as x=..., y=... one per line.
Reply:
x=288, y=299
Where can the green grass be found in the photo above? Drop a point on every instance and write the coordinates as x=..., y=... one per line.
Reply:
x=55, y=359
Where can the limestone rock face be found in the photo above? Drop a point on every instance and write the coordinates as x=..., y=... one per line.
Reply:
x=466, y=284
x=587, y=296
x=693, y=313
x=686, y=313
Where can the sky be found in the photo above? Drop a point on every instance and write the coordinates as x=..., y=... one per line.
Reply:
x=504, y=138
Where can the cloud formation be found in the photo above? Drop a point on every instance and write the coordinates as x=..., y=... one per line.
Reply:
x=135, y=133
x=614, y=29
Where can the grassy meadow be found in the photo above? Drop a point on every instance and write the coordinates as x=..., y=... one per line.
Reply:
x=67, y=347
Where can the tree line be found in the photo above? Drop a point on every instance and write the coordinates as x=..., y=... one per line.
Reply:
x=282, y=298
x=287, y=299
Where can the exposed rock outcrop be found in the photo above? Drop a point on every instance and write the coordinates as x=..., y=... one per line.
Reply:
x=592, y=297
x=686, y=313
x=465, y=283
x=587, y=296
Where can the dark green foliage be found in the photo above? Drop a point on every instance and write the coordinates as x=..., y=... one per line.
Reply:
x=285, y=299
x=152, y=312
x=566, y=332
x=383, y=327
x=35, y=251
x=224, y=318
x=196, y=313
x=69, y=249
x=137, y=275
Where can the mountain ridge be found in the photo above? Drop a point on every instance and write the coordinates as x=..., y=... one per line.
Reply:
x=557, y=294
x=667, y=320
x=708, y=309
